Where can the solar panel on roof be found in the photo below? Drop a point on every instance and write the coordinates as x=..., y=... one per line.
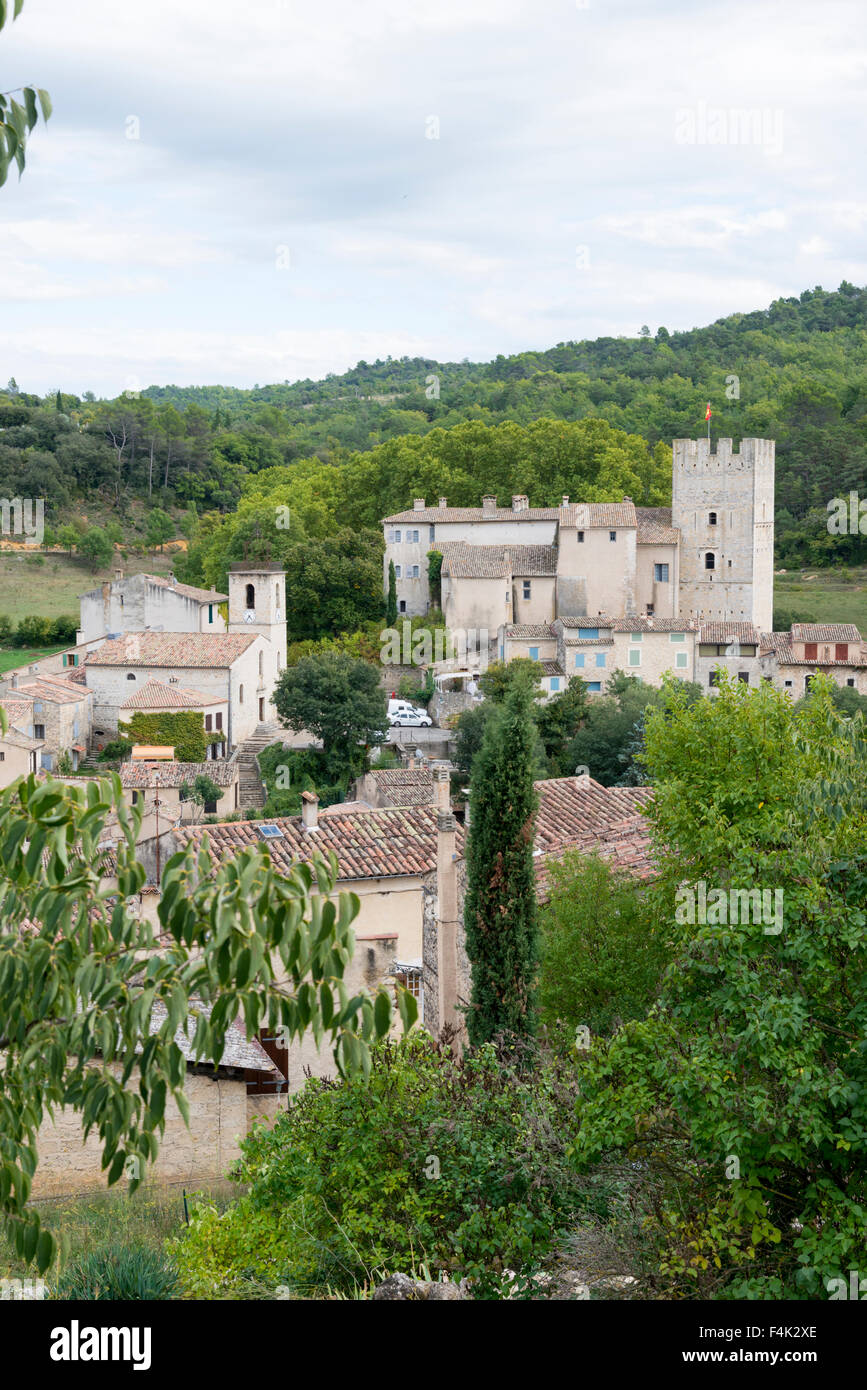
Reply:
x=270, y=832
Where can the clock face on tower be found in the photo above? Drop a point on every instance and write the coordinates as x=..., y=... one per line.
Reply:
x=248, y=616
x=277, y=616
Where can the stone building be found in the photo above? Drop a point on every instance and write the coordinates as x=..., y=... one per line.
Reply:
x=731, y=647
x=54, y=712
x=791, y=660
x=154, y=697
x=709, y=556
x=149, y=602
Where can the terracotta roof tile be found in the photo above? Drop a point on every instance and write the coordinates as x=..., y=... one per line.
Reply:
x=172, y=774
x=825, y=632
x=464, y=561
x=157, y=695
x=192, y=649
x=724, y=632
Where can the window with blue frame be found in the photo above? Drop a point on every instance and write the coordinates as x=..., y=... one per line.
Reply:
x=555, y=683
x=534, y=653
x=600, y=658
x=590, y=634
x=594, y=685
x=660, y=574
x=579, y=659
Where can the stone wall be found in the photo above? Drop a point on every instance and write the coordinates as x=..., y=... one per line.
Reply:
x=218, y=1119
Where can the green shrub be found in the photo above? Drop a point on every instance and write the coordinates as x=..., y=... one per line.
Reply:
x=117, y=748
x=118, y=1272
x=455, y=1162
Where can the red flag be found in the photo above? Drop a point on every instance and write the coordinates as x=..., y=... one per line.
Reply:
x=707, y=412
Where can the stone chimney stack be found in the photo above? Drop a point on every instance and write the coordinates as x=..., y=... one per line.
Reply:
x=441, y=788
x=467, y=811
x=520, y=503
x=447, y=927
x=15, y=681
x=444, y=502
x=418, y=504
x=489, y=506
x=310, y=810
x=565, y=499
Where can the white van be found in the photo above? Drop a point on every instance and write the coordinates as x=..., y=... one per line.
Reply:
x=403, y=714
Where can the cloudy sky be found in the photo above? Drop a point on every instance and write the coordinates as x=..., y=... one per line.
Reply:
x=248, y=191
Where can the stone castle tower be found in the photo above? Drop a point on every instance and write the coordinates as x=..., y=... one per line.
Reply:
x=723, y=504
x=257, y=604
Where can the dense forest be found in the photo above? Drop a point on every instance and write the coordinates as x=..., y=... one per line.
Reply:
x=594, y=419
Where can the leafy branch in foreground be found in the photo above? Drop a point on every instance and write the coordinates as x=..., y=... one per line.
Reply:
x=81, y=971
x=17, y=118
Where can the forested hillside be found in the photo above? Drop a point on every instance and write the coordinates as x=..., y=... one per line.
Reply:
x=348, y=449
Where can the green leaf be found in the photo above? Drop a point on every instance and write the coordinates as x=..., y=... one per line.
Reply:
x=44, y=102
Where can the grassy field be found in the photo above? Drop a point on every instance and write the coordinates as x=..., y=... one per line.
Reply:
x=49, y=585
x=838, y=595
x=13, y=657
x=95, y=1220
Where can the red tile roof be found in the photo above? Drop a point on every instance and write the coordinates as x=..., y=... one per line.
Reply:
x=164, y=649
x=157, y=695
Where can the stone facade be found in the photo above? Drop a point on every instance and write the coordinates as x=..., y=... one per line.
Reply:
x=143, y=602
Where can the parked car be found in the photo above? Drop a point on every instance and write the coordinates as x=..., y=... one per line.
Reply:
x=410, y=719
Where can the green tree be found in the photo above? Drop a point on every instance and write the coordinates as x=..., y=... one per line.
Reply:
x=501, y=677
x=68, y=538
x=95, y=546
x=434, y=575
x=604, y=948
x=500, y=908
x=160, y=528
x=744, y=1093
x=338, y=699
x=559, y=720
x=202, y=791
x=81, y=971
x=17, y=121
x=391, y=601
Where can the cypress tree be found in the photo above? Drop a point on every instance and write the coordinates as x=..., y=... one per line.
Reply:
x=391, y=601
x=500, y=908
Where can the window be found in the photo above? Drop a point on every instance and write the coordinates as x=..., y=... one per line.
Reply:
x=397, y=537
x=210, y=808
x=219, y=723
x=677, y=637
x=38, y=730
x=600, y=658
x=240, y=694
x=744, y=676
x=402, y=606
x=431, y=534
x=660, y=574
x=555, y=683
x=580, y=537
x=207, y=723
x=534, y=653
x=635, y=636
x=412, y=572
x=712, y=678
x=397, y=572
x=811, y=651
x=769, y=679
x=261, y=663
x=579, y=661
x=251, y=596
x=591, y=633
x=130, y=675
x=526, y=588
x=711, y=519
x=612, y=535
x=210, y=612
x=2, y=757
x=850, y=681
x=710, y=561
x=635, y=657
x=841, y=651
x=135, y=798
x=594, y=685
x=412, y=537
x=680, y=660
x=648, y=608
x=787, y=682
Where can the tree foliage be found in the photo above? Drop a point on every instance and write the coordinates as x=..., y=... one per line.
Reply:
x=81, y=972
x=17, y=118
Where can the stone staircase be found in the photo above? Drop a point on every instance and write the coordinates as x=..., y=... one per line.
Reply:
x=250, y=793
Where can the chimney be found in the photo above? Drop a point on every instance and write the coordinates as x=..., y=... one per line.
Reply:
x=444, y=502
x=441, y=788
x=418, y=504
x=565, y=499
x=172, y=580
x=410, y=757
x=447, y=928
x=489, y=506
x=310, y=810
x=520, y=503
x=466, y=794
x=15, y=680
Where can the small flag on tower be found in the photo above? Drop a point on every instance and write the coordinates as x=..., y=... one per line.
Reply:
x=707, y=413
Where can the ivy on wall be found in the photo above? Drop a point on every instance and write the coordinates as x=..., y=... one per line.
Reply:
x=183, y=730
